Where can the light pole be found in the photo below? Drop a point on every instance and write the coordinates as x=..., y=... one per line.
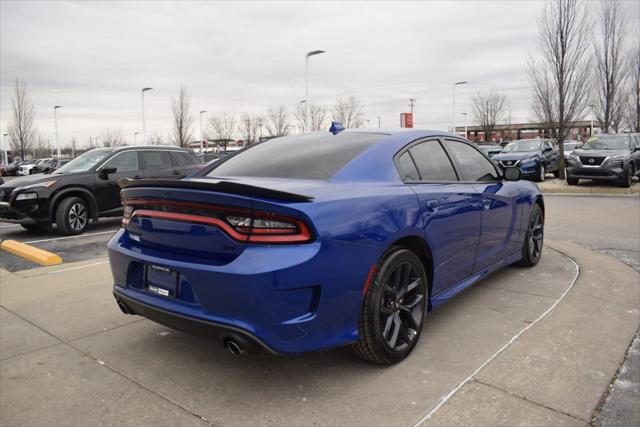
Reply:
x=453, y=113
x=4, y=147
x=135, y=137
x=260, y=124
x=465, y=124
x=368, y=123
x=591, y=106
x=201, y=135
x=305, y=124
x=55, y=119
x=412, y=103
x=144, y=128
x=306, y=79
x=378, y=121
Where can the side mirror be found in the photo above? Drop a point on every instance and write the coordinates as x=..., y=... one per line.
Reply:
x=547, y=149
x=105, y=172
x=512, y=173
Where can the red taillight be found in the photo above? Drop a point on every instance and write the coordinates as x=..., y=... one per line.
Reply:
x=241, y=224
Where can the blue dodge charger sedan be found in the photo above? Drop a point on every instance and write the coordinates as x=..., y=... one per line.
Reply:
x=313, y=241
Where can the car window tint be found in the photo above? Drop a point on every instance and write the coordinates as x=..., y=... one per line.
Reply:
x=123, y=162
x=156, y=159
x=407, y=168
x=432, y=162
x=180, y=159
x=473, y=165
x=311, y=156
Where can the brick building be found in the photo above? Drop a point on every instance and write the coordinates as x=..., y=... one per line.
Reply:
x=580, y=130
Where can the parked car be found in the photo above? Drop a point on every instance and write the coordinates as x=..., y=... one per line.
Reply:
x=569, y=146
x=12, y=168
x=87, y=187
x=490, y=149
x=50, y=165
x=32, y=167
x=314, y=241
x=534, y=157
x=207, y=157
x=605, y=157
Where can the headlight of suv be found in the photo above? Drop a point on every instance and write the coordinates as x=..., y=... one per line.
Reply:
x=26, y=196
x=529, y=162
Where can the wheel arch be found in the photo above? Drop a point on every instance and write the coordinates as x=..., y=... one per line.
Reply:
x=83, y=193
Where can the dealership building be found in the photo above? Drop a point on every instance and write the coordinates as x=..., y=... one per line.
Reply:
x=580, y=130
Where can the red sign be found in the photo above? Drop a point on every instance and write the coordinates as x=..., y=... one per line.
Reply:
x=406, y=120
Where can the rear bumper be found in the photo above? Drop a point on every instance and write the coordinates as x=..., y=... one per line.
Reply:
x=287, y=299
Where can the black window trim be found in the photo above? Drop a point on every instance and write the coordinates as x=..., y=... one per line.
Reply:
x=412, y=144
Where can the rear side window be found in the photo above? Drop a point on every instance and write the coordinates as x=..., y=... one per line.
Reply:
x=312, y=156
x=407, y=168
x=183, y=159
x=432, y=162
x=473, y=165
x=156, y=159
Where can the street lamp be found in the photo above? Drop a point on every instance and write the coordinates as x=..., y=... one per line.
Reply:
x=55, y=119
x=144, y=128
x=306, y=79
x=4, y=146
x=465, y=124
x=201, y=135
x=378, y=121
x=135, y=137
x=591, y=106
x=453, y=113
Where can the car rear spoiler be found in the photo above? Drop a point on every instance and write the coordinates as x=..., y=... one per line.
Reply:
x=216, y=185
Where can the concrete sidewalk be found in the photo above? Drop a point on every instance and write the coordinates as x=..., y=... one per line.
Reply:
x=557, y=186
x=69, y=357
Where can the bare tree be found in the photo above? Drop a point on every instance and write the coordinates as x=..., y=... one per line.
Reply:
x=249, y=127
x=278, y=121
x=488, y=109
x=562, y=75
x=112, y=138
x=348, y=112
x=317, y=117
x=42, y=146
x=610, y=67
x=21, y=131
x=156, y=139
x=182, y=120
x=633, y=109
x=222, y=128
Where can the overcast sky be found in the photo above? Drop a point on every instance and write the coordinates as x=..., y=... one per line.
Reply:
x=94, y=57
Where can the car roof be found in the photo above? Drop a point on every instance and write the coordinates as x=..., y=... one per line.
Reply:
x=150, y=147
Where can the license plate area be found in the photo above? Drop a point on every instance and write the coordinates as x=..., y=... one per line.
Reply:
x=161, y=281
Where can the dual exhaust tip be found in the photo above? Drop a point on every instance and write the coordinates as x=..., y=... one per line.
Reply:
x=235, y=344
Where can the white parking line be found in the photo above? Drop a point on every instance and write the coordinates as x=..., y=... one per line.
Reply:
x=72, y=237
x=78, y=267
x=449, y=395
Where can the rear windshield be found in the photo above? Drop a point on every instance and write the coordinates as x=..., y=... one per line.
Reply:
x=312, y=156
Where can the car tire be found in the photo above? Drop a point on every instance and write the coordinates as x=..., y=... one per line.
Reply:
x=572, y=181
x=627, y=177
x=534, y=238
x=72, y=216
x=389, y=327
x=541, y=173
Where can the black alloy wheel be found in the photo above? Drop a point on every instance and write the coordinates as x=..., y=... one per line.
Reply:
x=534, y=239
x=394, y=308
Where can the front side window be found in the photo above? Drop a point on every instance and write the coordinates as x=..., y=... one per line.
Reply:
x=432, y=162
x=156, y=159
x=123, y=162
x=473, y=165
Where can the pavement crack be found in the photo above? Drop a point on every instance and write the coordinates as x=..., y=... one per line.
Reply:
x=519, y=396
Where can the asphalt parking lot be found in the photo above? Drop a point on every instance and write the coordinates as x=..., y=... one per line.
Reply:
x=535, y=347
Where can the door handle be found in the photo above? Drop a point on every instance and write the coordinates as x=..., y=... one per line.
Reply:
x=176, y=173
x=432, y=205
x=486, y=204
x=137, y=177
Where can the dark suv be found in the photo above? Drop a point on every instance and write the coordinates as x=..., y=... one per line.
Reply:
x=605, y=158
x=87, y=187
x=534, y=157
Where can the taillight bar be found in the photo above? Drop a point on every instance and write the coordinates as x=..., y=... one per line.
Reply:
x=261, y=230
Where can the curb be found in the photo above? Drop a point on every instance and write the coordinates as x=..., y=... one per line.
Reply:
x=31, y=253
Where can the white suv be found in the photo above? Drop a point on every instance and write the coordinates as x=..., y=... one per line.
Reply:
x=26, y=169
